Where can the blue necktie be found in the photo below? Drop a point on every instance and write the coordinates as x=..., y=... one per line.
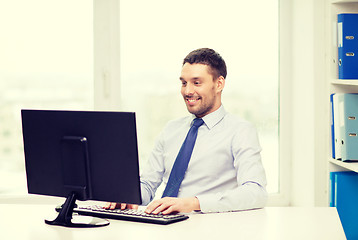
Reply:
x=182, y=160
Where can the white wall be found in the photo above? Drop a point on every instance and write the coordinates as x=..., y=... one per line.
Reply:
x=309, y=106
x=302, y=108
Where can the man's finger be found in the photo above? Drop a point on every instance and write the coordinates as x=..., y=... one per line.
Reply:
x=152, y=206
x=132, y=206
x=170, y=210
x=108, y=205
x=161, y=207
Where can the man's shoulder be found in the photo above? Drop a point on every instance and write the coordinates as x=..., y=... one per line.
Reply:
x=237, y=121
x=179, y=122
x=237, y=126
x=175, y=127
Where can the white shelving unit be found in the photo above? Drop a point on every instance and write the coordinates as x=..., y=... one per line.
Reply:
x=347, y=166
x=337, y=85
x=338, y=82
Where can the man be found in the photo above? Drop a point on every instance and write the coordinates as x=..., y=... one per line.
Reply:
x=224, y=170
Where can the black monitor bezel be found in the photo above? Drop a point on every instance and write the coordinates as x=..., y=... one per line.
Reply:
x=112, y=154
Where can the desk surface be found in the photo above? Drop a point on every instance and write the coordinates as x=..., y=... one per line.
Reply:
x=27, y=222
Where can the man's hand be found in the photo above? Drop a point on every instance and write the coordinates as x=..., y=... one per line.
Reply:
x=169, y=205
x=122, y=206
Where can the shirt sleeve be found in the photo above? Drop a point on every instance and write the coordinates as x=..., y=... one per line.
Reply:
x=152, y=174
x=251, y=179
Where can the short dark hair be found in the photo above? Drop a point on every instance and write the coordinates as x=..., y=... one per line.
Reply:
x=210, y=58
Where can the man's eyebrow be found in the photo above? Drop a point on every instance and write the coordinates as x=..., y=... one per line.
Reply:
x=193, y=79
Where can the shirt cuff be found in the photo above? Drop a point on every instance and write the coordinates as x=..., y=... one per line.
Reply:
x=208, y=203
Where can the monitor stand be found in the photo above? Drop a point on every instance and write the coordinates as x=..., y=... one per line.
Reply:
x=65, y=217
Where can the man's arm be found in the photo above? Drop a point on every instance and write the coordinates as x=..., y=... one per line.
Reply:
x=245, y=197
x=169, y=205
x=152, y=174
x=250, y=175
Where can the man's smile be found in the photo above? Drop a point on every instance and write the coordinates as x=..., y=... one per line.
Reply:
x=192, y=100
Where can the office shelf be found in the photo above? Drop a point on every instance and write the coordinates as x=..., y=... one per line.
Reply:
x=343, y=1
x=352, y=82
x=349, y=166
x=338, y=85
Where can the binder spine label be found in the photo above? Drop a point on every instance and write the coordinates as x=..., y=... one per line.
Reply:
x=340, y=34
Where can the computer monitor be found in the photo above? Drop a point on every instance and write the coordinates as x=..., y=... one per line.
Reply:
x=84, y=155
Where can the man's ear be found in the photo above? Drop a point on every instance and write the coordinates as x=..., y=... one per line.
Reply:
x=220, y=83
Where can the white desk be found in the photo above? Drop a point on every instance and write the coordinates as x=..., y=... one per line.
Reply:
x=27, y=222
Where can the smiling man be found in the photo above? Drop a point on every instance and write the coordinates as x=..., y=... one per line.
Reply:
x=201, y=92
x=209, y=161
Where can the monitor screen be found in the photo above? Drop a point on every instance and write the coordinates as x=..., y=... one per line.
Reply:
x=84, y=155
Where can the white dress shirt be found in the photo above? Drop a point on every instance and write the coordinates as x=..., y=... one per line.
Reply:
x=225, y=171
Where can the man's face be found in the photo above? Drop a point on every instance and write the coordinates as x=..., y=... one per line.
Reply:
x=201, y=93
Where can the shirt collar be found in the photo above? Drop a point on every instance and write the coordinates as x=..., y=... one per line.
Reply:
x=213, y=118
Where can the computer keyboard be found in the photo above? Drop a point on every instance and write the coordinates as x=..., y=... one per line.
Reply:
x=129, y=215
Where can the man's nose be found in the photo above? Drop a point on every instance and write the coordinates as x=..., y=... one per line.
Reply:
x=189, y=90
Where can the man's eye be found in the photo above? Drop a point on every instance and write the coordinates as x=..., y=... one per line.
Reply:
x=183, y=83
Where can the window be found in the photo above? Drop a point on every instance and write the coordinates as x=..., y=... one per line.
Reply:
x=46, y=63
x=46, y=57
x=156, y=35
